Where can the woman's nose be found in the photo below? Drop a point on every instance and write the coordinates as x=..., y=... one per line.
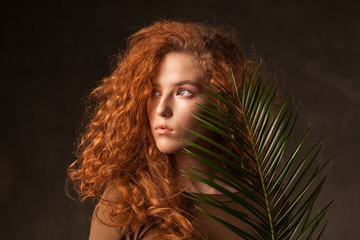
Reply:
x=163, y=109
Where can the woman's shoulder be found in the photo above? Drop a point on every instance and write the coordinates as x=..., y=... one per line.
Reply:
x=102, y=224
x=103, y=229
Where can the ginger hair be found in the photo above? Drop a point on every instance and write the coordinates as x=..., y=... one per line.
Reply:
x=117, y=150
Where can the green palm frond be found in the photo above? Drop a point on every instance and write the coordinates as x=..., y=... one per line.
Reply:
x=279, y=185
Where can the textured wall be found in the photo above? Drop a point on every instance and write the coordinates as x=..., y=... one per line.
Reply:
x=55, y=52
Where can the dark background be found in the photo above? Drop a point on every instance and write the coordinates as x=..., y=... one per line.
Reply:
x=55, y=52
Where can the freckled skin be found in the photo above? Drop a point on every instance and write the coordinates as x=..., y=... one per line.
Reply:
x=177, y=89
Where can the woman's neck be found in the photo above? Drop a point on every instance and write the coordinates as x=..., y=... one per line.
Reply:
x=183, y=162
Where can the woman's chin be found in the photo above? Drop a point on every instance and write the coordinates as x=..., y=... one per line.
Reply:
x=169, y=149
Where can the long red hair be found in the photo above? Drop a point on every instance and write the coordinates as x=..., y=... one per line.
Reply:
x=117, y=149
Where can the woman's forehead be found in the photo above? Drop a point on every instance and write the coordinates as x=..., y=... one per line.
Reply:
x=178, y=67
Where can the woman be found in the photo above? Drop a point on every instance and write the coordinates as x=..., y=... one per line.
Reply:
x=130, y=156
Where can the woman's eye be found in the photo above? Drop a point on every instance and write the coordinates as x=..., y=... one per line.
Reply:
x=185, y=93
x=155, y=93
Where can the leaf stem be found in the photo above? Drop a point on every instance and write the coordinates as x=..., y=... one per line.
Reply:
x=253, y=146
x=264, y=189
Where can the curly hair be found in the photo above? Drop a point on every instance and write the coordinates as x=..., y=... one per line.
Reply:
x=117, y=149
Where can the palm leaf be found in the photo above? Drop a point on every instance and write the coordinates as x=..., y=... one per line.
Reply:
x=279, y=191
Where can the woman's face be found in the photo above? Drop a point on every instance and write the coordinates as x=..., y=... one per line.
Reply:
x=176, y=90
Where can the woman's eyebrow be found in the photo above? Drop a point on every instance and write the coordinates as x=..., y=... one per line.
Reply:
x=189, y=82
x=183, y=82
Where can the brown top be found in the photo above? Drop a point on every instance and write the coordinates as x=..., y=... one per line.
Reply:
x=214, y=230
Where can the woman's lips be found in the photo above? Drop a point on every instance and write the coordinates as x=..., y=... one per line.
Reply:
x=162, y=129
